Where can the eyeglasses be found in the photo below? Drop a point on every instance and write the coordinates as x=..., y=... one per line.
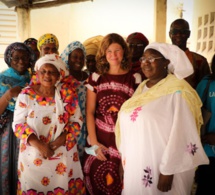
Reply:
x=52, y=73
x=151, y=60
x=136, y=45
x=23, y=58
x=179, y=31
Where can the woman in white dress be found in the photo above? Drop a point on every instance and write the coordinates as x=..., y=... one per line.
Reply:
x=157, y=128
x=47, y=119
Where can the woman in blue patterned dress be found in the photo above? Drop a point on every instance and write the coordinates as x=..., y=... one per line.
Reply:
x=74, y=56
x=18, y=58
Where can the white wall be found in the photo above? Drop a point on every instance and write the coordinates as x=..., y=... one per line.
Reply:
x=79, y=21
x=201, y=9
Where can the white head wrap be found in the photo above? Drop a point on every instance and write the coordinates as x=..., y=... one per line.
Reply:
x=55, y=60
x=179, y=64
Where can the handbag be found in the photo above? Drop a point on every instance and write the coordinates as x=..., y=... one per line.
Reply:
x=206, y=114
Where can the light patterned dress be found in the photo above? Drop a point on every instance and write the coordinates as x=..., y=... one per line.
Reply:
x=158, y=134
x=102, y=177
x=62, y=173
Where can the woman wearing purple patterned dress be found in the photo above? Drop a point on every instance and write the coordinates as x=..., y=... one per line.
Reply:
x=107, y=90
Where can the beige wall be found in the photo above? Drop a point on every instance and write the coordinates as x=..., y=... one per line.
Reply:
x=173, y=13
x=202, y=9
x=79, y=21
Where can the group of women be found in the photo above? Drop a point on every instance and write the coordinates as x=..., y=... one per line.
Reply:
x=106, y=132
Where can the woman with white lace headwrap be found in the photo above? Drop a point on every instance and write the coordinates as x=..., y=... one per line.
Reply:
x=47, y=119
x=157, y=128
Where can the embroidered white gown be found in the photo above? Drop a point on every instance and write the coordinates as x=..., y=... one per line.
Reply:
x=60, y=174
x=160, y=137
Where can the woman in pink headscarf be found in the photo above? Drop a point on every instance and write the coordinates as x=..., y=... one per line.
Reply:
x=137, y=43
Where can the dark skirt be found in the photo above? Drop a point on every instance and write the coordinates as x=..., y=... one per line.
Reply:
x=102, y=177
x=205, y=178
x=8, y=158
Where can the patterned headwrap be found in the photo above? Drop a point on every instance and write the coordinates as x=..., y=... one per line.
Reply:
x=47, y=38
x=179, y=64
x=18, y=46
x=55, y=60
x=92, y=44
x=30, y=41
x=70, y=48
x=138, y=35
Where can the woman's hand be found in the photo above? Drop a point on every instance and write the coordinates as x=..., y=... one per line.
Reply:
x=60, y=141
x=165, y=182
x=43, y=148
x=209, y=138
x=5, y=99
x=14, y=92
x=99, y=152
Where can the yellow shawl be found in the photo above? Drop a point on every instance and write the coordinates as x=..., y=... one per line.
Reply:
x=168, y=85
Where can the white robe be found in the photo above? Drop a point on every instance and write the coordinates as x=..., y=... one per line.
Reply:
x=156, y=137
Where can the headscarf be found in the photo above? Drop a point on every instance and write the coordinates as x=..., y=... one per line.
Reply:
x=70, y=48
x=92, y=44
x=55, y=60
x=179, y=64
x=47, y=38
x=138, y=35
x=18, y=46
x=30, y=41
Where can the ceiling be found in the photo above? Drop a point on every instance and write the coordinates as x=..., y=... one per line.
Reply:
x=38, y=3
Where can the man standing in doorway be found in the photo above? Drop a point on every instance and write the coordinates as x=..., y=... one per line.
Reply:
x=179, y=33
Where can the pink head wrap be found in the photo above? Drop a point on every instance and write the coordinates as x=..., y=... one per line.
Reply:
x=138, y=35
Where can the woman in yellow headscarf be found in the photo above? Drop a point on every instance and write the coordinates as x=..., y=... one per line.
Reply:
x=92, y=45
x=48, y=44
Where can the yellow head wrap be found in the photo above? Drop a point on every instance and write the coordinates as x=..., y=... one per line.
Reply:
x=47, y=38
x=92, y=44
